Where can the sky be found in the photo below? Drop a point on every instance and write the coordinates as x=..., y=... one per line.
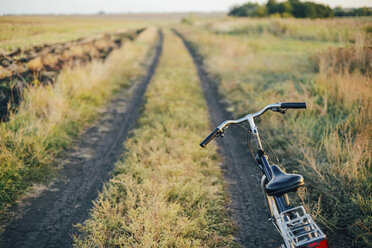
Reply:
x=137, y=6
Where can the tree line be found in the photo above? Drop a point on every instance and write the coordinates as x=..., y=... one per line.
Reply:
x=294, y=8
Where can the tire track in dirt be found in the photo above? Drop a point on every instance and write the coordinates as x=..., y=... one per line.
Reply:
x=240, y=170
x=47, y=220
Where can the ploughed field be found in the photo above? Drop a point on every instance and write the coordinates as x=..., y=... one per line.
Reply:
x=58, y=76
x=41, y=63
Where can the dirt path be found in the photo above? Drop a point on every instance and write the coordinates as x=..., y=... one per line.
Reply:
x=47, y=220
x=241, y=172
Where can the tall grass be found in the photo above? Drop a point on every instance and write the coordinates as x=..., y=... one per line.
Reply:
x=50, y=117
x=166, y=191
x=330, y=142
x=335, y=30
x=345, y=84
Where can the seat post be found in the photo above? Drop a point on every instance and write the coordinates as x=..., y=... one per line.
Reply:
x=286, y=200
x=265, y=164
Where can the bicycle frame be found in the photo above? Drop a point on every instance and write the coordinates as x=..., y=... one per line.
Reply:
x=293, y=223
x=282, y=202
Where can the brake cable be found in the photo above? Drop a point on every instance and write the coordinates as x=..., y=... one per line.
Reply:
x=247, y=128
x=262, y=137
x=270, y=148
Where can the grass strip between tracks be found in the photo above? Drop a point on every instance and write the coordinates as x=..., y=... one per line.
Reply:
x=49, y=117
x=166, y=191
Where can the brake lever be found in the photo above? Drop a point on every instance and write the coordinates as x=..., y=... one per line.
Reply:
x=222, y=133
x=280, y=110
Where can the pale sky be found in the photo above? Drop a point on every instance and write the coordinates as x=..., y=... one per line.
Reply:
x=135, y=6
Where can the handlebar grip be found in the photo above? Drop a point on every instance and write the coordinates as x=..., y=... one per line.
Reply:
x=213, y=134
x=293, y=105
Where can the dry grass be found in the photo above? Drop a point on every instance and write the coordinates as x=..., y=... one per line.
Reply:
x=331, y=140
x=49, y=117
x=335, y=30
x=166, y=192
x=26, y=31
x=345, y=83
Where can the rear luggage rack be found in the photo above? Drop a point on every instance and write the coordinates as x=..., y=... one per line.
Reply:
x=299, y=228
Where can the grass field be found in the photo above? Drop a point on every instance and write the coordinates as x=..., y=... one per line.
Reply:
x=27, y=31
x=49, y=117
x=326, y=63
x=334, y=30
x=166, y=191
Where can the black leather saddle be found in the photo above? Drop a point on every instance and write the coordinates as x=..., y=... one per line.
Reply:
x=282, y=182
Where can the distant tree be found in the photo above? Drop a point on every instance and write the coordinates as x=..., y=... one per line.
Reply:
x=283, y=8
x=272, y=7
x=363, y=12
x=288, y=8
x=338, y=11
x=261, y=11
x=310, y=10
x=248, y=9
x=323, y=11
x=298, y=8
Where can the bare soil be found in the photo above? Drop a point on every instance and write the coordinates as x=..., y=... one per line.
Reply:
x=240, y=170
x=47, y=218
x=43, y=63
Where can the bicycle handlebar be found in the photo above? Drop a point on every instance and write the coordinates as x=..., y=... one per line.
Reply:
x=278, y=107
x=210, y=137
x=293, y=105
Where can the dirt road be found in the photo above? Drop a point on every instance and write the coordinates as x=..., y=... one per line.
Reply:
x=240, y=170
x=47, y=220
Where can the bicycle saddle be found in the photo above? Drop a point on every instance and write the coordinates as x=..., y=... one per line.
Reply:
x=282, y=182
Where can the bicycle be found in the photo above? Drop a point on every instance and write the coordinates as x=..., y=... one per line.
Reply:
x=293, y=223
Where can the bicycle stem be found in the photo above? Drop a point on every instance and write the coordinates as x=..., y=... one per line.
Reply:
x=250, y=119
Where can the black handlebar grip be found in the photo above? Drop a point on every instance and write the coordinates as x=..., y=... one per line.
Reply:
x=210, y=137
x=294, y=105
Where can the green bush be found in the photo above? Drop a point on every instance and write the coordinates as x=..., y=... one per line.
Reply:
x=294, y=8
